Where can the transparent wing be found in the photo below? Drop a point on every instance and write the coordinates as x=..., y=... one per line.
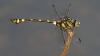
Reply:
x=54, y=13
x=60, y=36
x=58, y=30
x=76, y=40
x=65, y=14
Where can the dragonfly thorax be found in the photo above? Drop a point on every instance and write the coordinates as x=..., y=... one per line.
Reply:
x=68, y=23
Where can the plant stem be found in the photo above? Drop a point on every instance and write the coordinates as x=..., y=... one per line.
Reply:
x=67, y=44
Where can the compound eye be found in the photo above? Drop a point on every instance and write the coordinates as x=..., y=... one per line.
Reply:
x=76, y=23
x=79, y=23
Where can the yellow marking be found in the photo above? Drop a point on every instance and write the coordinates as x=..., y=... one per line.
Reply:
x=58, y=21
x=63, y=25
x=58, y=24
x=69, y=18
x=39, y=20
x=23, y=20
x=69, y=24
x=54, y=22
x=17, y=20
x=64, y=19
x=48, y=20
x=31, y=19
x=79, y=23
x=14, y=21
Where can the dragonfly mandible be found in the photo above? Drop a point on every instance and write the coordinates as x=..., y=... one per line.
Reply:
x=62, y=23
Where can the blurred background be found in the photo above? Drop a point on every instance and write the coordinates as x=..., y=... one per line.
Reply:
x=38, y=39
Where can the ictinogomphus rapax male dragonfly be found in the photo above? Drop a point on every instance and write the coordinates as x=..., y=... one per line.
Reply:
x=62, y=23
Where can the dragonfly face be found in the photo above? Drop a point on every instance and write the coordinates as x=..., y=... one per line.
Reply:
x=76, y=24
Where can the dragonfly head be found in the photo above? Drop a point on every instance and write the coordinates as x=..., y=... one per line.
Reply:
x=76, y=24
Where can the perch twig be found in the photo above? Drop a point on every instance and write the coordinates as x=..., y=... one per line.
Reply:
x=67, y=44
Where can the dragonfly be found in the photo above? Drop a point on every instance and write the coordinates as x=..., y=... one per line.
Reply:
x=62, y=23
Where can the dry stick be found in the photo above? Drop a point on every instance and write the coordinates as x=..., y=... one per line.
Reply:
x=67, y=44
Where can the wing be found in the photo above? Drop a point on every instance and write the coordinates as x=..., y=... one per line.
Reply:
x=54, y=13
x=60, y=36
x=58, y=30
x=65, y=14
x=76, y=39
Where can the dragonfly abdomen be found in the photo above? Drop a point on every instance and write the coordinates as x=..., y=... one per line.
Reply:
x=17, y=21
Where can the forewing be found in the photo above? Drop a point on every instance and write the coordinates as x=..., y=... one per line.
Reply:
x=54, y=13
x=65, y=14
x=58, y=30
